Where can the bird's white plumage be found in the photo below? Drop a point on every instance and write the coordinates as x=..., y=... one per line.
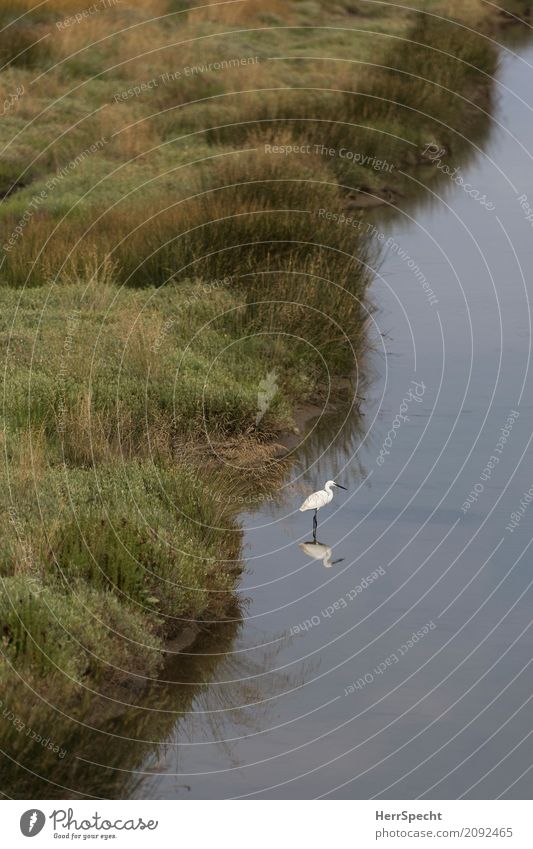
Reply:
x=320, y=498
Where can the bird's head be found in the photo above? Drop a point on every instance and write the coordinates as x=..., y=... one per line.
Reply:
x=333, y=483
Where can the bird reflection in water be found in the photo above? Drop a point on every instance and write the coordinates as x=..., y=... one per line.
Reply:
x=320, y=551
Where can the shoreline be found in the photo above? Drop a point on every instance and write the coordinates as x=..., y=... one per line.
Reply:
x=148, y=611
x=287, y=440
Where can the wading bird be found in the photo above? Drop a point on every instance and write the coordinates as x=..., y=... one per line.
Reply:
x=319, y=499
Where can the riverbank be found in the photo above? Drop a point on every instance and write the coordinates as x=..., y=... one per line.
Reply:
x=171, y=292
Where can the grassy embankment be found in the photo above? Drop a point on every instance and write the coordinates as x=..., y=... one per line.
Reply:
x=150, y=284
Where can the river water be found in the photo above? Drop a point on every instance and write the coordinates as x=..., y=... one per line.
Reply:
x=322, y=689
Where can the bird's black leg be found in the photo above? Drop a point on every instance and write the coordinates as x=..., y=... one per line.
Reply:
x=315, y=523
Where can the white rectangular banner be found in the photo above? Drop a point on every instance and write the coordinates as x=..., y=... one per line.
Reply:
x=242, y=824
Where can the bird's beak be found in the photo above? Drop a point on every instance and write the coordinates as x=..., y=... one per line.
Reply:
x=340, y=487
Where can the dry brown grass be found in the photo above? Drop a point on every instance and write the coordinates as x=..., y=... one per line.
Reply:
x=70, y=7
x=245, y=11
x=29, y=458
x=128, y=139
x=150, y=242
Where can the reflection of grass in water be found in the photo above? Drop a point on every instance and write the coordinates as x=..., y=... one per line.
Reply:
x=348, y=435
x=107, y=733
x=222, y=711
x=104, y=731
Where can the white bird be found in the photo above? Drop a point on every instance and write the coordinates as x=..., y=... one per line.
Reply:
x=319, y=499
x=319, y=551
